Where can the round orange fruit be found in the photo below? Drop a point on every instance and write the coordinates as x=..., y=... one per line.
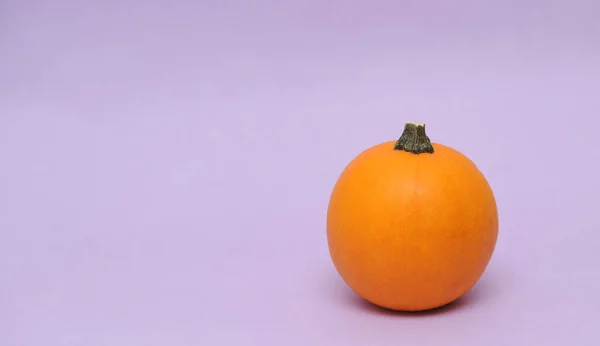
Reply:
x=411, y=225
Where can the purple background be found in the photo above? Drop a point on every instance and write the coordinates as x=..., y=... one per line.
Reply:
x=166, y=166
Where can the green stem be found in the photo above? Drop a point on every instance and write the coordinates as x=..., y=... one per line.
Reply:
x=414, y=140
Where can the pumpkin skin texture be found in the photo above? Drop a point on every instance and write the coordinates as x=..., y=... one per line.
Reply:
x=411, y=229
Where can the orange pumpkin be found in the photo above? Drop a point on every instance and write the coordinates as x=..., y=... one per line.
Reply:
x=411, y=225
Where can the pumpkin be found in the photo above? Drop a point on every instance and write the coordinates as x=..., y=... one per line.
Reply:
x=411, y=225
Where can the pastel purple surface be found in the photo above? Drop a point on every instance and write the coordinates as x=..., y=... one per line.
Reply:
x=165, y=167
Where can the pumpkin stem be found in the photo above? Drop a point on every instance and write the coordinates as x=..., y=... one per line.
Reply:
x=414, y=140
